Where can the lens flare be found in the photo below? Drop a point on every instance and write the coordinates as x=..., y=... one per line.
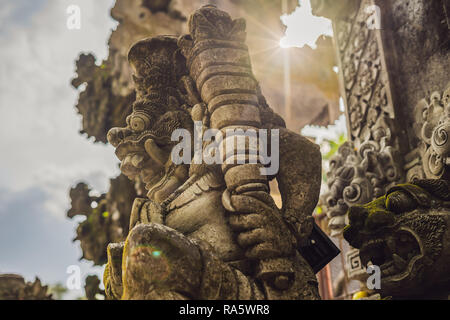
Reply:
x=156, y=260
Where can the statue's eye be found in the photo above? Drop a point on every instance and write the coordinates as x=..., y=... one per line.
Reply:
x=139, y=122
x=399, y=202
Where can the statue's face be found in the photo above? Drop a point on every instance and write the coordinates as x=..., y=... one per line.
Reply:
x=144, y=145
x=130, y=143
x=409, y=242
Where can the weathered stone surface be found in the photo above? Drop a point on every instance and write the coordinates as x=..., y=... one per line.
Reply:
x=14, y=287
x=380, y=96
x=432, y=127
x=357, y=176
x=334, y=9
x=236, y=225
x=372, y=161
x=108, y=89
x=92, y=287
x=107, y=222
x=393, y=57
x=109, y=92
x=406, y=233
x=420, y=54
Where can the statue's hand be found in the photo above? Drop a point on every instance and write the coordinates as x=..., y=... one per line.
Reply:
x=161, y=263
x=262, y=230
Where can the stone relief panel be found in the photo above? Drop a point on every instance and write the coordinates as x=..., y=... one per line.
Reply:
x=357, y=176
x=355, y=268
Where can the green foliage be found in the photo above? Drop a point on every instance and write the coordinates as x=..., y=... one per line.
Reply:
x=334, y=146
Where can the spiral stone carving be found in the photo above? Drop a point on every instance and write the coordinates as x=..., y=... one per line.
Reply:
x=440, y=141
x=434, y=115
x=357, y=176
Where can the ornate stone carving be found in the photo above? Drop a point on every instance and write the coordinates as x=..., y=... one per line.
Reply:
x=207, y=231
x=107, y=90
x=92, y=287
x=357, y=176
x=406, y=233
x=383, y=150
x=368, y=165
x=365, y=78
x=433, y=130
x=14, y=287
x=354, y=266
x=105, y=223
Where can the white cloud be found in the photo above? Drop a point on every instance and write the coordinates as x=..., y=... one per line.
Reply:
x=42, y=153
x=38, y=122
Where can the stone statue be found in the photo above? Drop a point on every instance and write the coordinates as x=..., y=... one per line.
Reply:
x=92, y=287
x=14, y=287
x=406, y=233
x=210, y=230
x=107, y=222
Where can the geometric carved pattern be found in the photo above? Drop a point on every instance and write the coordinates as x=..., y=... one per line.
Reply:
x=355, y=269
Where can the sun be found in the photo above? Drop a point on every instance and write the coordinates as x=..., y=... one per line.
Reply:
x=303, y=28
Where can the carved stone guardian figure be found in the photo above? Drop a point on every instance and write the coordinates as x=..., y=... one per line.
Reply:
x=406, y=233
x=210, y=230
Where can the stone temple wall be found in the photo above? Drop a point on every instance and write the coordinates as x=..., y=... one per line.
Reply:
x=393, y=58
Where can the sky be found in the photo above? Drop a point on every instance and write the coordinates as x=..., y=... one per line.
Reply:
x=43, y=154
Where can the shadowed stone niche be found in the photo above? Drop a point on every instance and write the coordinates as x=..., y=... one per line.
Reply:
x=210, y=230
